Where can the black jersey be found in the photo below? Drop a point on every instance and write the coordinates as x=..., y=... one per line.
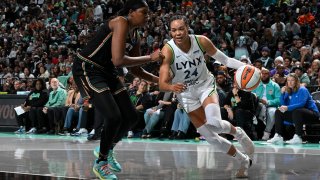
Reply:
x=98, y=49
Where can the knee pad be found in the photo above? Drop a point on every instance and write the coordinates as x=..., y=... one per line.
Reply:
x=214, y=121
x=214, y=139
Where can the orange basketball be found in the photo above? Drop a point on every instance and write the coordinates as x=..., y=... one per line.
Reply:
x=247, y=77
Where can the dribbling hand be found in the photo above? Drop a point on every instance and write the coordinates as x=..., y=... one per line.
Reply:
x=179, y=87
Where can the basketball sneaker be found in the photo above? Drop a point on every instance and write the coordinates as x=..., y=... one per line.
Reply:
x=102, y=171
x=295, y=140
x=130, y=134
x=244, y=166
x=32, y=131
x=114, y=165
x=277, y=139
x=21, y=130
x=245, y=141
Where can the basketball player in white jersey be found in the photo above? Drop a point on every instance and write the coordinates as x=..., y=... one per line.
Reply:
x=184, y=72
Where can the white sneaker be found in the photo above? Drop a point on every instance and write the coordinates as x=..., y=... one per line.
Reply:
x=266, y=136
x=32, y=131
x=83, y=131
x=295, y=140
x=92, y=132
x=130, y=134
x=80, y=132
x=277, y=139
x=245, y=141
x=243, y=170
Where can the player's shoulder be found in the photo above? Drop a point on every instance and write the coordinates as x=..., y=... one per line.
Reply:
x=118, y=20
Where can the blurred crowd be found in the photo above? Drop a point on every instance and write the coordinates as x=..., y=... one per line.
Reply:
x=39, y=39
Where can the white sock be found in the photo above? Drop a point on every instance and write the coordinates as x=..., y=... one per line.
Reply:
x=239, y=156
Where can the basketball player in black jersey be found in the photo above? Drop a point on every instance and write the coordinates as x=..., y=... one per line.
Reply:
x=95, y=73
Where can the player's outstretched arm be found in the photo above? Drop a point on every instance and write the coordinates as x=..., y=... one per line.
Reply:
x=215, y=53
x=139, y=71
x=120, y=29
x=165, y=78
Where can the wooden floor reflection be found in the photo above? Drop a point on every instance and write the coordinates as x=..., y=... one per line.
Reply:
x=54, y=157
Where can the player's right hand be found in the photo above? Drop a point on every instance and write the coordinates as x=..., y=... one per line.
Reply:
x=178, y=88
x=157, y=55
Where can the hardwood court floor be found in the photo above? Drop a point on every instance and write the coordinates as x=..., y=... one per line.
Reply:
x=65, y=157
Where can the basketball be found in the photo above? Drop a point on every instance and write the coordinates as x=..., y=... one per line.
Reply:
x=247, y=77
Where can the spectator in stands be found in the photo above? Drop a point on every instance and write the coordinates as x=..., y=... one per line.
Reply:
x=240, y=106
x=306, y=21
x=258, y=64
x=57, y=98
x=74, y=103
x=266, y=59
x=297, y=107
x=168, y=118
x=268, y=94
x=306, y=56
x=314, y=85
x=55, y=71
x=287, y=63
x=142, y=100
x=241, y=46
x=303, y=77
x=43, y=73
x=277, y=61
x=16, y=87
x=133, y=87
x=295, y=49
x=26, y=74
x=223, y=82
x=281, y=50
x=280, y=77
x=180, y=124
x=154, y=114
x=7, y=73
x=313, y=70
x=269, y=41
x=292, y=28
x=280, y=34
x=81, y=128
x=34, y=103
x=277, y=24
x=315, y=45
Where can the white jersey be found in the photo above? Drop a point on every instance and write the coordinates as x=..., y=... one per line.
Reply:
x=189, y=68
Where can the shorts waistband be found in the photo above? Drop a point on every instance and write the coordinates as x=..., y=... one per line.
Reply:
x=82, y=58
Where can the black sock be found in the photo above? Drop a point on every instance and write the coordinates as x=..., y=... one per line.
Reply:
x=102, y=158
x=113, y=145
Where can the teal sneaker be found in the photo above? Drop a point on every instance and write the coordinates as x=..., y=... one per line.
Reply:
x=21, y=130
x=96, y=152
x=114, y=164
x=102, y=171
